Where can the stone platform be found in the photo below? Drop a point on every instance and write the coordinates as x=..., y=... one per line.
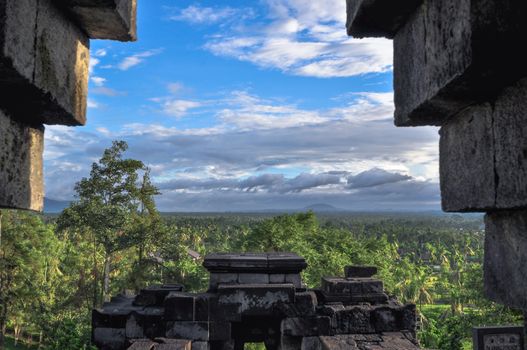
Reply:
x=259, y=298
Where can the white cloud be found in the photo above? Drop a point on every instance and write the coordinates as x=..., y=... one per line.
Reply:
x=179, y=108
x=175, y=88
x=93, y=104
x=98, y=81
x=133, y=60
x=93, y=62
x=101, y=53
x=305, y=38
x=207, y=15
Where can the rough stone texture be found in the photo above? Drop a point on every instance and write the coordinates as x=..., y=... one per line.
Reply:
x=451, y=54
x=104, y=19
x=510, y=130
x=505, y=266
x=467, y=161
x=378, y=18
x=188, y=330
x=109, y=338
x=279, y=315
x=430, y=50
x=482, y=154
x=43, y=57
x=21, y=150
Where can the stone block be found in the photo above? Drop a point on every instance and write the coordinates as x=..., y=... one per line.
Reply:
x=152, y=320
x=290, y=343
x=253, y=278
x=340, y=342
x=295, y=279
x=219, y=331
x=21, y=165
x=134, y=329
x=202, y=307
x=505, y=264
x=466, y=160
x=109, y=338
x=104, y=19
x=217, y=278
x=311, y=343
x=188, y=330
x=44, y=57
x=451, y=54
x=482, y=154
x=510, y=128
x=305, y=303
x=179, y=307
x=378, y=18
x=306, y=326
x=360, y=271
x=354, y=320
x=200, y=345
x=277, y=278
x=255, y=299
x=155, y=295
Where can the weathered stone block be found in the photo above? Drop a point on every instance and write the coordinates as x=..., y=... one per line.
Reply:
x=217, y=278
x=43, y=57
x=200, y=345
x=179, y=307
x=175, y=344
x=134, y=329
x=109, y=338
x=255, y=299
x=294, y=278
x=21, y=165
x=353, y=320
x=219, y=331
x=202, y=307
x=467, y=160
x=155, y=295
x=61, y=65
x=277, y=278
x=451, y=54
x=378, y=18
x=105, y=19
x=311, y=343
x=510, y=128
x=306, y=326
x=253, y=278
x=188, y=330
x=505, y=266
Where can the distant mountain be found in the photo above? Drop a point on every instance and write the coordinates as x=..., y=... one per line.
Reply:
x=54, y=206
x=321, y=208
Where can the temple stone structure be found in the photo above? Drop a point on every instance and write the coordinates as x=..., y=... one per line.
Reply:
x=460, y=65
x=259, y=298
x=44, y=60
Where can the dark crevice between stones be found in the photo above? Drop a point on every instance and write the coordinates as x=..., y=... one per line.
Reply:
x=35, y=43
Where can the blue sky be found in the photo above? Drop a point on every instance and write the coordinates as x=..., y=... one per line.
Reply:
x=238, y=105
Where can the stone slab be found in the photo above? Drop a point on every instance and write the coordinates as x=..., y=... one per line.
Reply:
x=378, y=18
x=254, y=263
x=104, y=19
x=155, y=295
x=142, y=344
x=505, y=263
x=451, y=54
x=44, y=57
x=21, y=165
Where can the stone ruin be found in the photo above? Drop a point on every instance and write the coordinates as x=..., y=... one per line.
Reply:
x=460, y=65
x=259, y=298
x=44, y=60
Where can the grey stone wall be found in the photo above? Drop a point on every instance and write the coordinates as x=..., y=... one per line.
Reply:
x=44, y=59
x=460, y=65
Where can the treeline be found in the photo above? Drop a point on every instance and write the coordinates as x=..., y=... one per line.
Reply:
x=112, y=239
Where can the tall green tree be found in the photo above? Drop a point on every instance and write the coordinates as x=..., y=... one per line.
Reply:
x=107, y=202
